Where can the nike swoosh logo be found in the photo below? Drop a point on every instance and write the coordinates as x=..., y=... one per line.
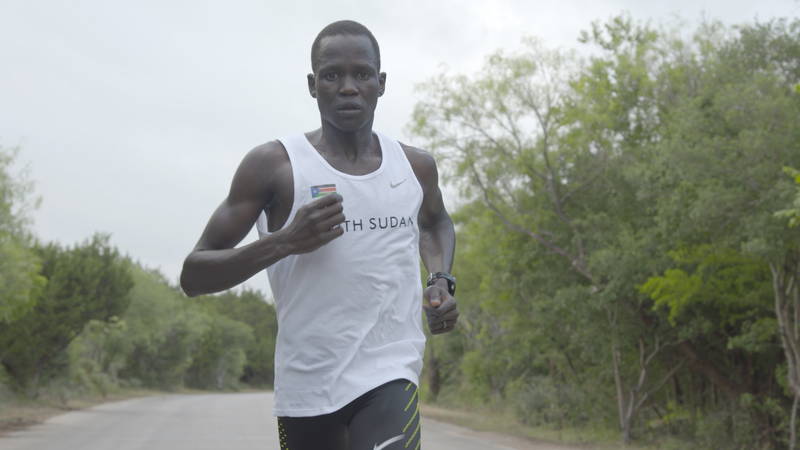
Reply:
x=394, y=185
x=389, y=442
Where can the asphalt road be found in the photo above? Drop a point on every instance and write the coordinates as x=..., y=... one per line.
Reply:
x=206, y=422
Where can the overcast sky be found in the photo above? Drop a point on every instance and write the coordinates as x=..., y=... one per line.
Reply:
x=133, y=115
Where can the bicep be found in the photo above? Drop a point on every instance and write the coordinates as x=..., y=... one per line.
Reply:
x=235, y=216
x=229, y=224
x=432, y=209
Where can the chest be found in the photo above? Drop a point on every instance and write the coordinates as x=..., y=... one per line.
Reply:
x=386, y=200
x=392, y=195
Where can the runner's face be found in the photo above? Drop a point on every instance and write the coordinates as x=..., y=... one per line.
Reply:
x=347, y=83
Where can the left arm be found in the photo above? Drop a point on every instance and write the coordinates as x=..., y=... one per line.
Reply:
x=437, y=242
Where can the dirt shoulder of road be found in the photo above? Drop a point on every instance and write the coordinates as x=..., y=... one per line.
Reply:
x=18, y=413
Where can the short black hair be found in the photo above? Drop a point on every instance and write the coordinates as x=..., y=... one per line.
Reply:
x=340, y=27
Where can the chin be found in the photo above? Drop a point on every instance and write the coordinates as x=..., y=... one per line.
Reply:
x=350, y=126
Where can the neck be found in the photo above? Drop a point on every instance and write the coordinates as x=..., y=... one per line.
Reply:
x=350, y=144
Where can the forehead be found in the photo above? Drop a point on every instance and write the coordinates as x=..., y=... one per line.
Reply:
x=346, y=48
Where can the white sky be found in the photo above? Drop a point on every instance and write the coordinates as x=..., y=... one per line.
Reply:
x=133, y=116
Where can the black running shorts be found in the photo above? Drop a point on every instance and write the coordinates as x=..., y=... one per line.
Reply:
x=385, y=418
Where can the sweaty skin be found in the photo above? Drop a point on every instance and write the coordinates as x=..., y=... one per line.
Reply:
x=346, y=85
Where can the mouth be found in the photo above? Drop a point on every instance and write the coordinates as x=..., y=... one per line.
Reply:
x=349, y=108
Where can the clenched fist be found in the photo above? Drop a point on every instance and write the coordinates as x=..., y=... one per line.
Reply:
x=440, y=308
x=315, y=224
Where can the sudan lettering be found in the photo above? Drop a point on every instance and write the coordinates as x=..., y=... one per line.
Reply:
x=378, y=223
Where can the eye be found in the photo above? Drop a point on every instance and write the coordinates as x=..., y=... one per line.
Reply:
x=363, y=75
x=330, y=76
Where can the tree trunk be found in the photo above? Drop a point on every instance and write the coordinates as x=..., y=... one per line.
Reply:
x=626, y=432
x=637, y=396
x=620, y=391
x=786, y=311
x=792, y=424
x=219, y=374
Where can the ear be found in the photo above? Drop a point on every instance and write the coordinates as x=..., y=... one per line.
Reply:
x=312, y=85
x=382, y=82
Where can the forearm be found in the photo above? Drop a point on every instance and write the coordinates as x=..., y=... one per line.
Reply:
x=437, y=243
x=209, y=271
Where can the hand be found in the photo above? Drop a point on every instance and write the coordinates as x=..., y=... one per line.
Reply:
x=315, y=224
x=440, y=308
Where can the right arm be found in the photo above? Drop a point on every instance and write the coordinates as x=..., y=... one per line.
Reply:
x=216, y=264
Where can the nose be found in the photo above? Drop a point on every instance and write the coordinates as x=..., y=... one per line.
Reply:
x=348, y=86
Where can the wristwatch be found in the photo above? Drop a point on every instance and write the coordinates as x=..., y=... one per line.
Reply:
x=451, y=281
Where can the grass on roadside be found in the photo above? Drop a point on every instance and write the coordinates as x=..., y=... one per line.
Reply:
x=490, y=420
x=502, y=422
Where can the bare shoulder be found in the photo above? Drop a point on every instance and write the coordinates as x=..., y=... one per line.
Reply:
x=423, y=164
x=268, y=155
x=262, y=171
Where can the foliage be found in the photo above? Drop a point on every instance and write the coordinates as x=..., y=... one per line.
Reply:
x=219, y=359
x=250, y=308
x=97, y=355
x=20, y=281
x=619, y=232
x=165, y=340
x=162, y=332
x=793, y=213
x=88, y=281
x=712, y=289
x=85, y=319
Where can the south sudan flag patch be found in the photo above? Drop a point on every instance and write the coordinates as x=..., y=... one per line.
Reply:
x=322, y=190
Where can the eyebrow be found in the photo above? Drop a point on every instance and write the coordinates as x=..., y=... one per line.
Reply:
x=356, y=65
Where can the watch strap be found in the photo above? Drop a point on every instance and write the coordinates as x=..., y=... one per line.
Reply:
x=451, y=281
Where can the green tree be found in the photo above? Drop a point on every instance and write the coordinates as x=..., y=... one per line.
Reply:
x=639, y=192
x=165, y=340
x=162, y=330
x=219, y=358
x=792, y=213
x=548, y=149
x=787, y=306
x=20, y=281
x=251, y=308
x=85, y=282
x=718, y=299
x=97, y=355
x=731, y=127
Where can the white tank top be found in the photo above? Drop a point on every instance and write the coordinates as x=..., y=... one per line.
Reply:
x=349, y=313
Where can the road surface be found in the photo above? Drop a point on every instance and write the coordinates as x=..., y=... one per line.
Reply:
x=207, y=422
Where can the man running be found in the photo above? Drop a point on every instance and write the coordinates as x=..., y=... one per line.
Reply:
x=344, y=214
